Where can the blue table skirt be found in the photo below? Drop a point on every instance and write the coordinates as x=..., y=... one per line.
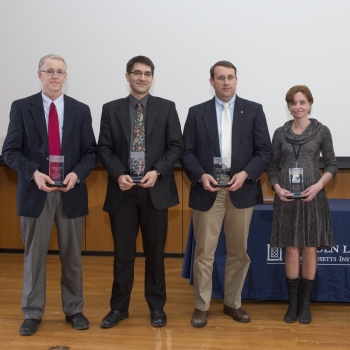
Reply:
x=266, y=276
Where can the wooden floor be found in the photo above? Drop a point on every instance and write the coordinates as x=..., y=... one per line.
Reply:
x=329, y=329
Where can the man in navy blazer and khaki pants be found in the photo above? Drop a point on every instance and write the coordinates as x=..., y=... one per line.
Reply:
x=249, y=153
x=26, y=149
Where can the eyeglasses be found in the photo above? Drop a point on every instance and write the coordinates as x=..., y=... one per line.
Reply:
x=51, y=72
x=223, y=78
x=140, y=74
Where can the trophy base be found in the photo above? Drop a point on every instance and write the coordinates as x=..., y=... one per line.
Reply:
x=295, y=196
x=136, y=180
x=220, y=185
x=56, y=185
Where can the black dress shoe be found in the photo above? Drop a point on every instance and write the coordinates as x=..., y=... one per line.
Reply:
x=158, y=318
x=79, y=321
x=113, y=318
x=29, y=326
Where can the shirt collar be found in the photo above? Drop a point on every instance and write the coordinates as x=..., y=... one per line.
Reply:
x=134, y=101
x=220, y=103
x=48, y=100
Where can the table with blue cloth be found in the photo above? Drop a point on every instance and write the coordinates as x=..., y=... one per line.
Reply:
x=266, y=276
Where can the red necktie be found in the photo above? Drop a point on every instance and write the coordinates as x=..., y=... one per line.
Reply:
x=54, y=132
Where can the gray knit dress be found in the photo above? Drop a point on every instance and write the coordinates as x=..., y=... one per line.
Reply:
x=299, y=224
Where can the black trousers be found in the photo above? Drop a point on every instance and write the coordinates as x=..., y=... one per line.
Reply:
x=134, y=210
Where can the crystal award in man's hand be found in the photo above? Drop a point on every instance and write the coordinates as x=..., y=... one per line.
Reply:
x=137, y=166
x=56, y=171
x=221, y=172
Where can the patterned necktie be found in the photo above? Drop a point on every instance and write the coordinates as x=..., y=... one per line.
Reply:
x=138, y=144
x=226, y=130
x=54, y=132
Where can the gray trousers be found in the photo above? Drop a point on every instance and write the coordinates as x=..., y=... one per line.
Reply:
x=36, y=233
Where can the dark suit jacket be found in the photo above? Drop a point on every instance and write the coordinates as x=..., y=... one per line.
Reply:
x=251, y=151
x=26, y=149
x=164, y=147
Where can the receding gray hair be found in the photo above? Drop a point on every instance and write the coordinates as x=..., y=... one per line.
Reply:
x=54, y=57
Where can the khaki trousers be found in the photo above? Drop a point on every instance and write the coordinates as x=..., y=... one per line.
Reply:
x=207, y=226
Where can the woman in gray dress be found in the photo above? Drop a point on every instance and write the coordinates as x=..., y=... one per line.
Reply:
x=302, y=224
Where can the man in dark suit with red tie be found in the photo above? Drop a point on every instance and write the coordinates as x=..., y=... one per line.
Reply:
x=235, y=130
x=43, y=125
x=148, y=126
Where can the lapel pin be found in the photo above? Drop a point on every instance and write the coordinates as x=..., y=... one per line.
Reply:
x=241, y=111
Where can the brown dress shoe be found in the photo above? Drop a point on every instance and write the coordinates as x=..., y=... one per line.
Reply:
x=199, y=318
x=238, y=315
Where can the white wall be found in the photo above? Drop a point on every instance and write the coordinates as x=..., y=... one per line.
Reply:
x=274, y=44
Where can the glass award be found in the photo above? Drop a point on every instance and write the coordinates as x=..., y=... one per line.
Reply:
x=137, y=166
x=221, y=172
x=296, y=185
x=56, y=171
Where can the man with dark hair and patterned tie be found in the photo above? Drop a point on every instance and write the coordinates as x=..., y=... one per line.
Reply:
x=41, y=126
x=140, y=141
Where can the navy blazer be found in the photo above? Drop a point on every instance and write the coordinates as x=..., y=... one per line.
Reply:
x=251, y=151
x=164, y=146
x=26, y=150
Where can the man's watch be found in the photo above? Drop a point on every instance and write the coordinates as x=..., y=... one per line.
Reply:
x=158, y=173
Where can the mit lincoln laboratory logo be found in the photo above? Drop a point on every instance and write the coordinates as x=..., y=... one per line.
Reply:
x=274, y=254
x=338, y=255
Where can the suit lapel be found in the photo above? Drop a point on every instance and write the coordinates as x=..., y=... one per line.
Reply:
x=211, y=124
x=123, y=114
x=69, y=116
x=38, y=114
x=152, y=114
x=237, y=125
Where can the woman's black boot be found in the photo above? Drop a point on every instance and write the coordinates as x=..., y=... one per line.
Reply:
x=306, y=290
x=293, y=293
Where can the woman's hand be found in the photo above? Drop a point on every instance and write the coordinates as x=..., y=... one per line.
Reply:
x=310, y=193
x=283, y=194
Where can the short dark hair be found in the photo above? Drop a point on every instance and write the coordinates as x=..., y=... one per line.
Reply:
x=226, y=64
x=299, y=88
x=139, y=59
